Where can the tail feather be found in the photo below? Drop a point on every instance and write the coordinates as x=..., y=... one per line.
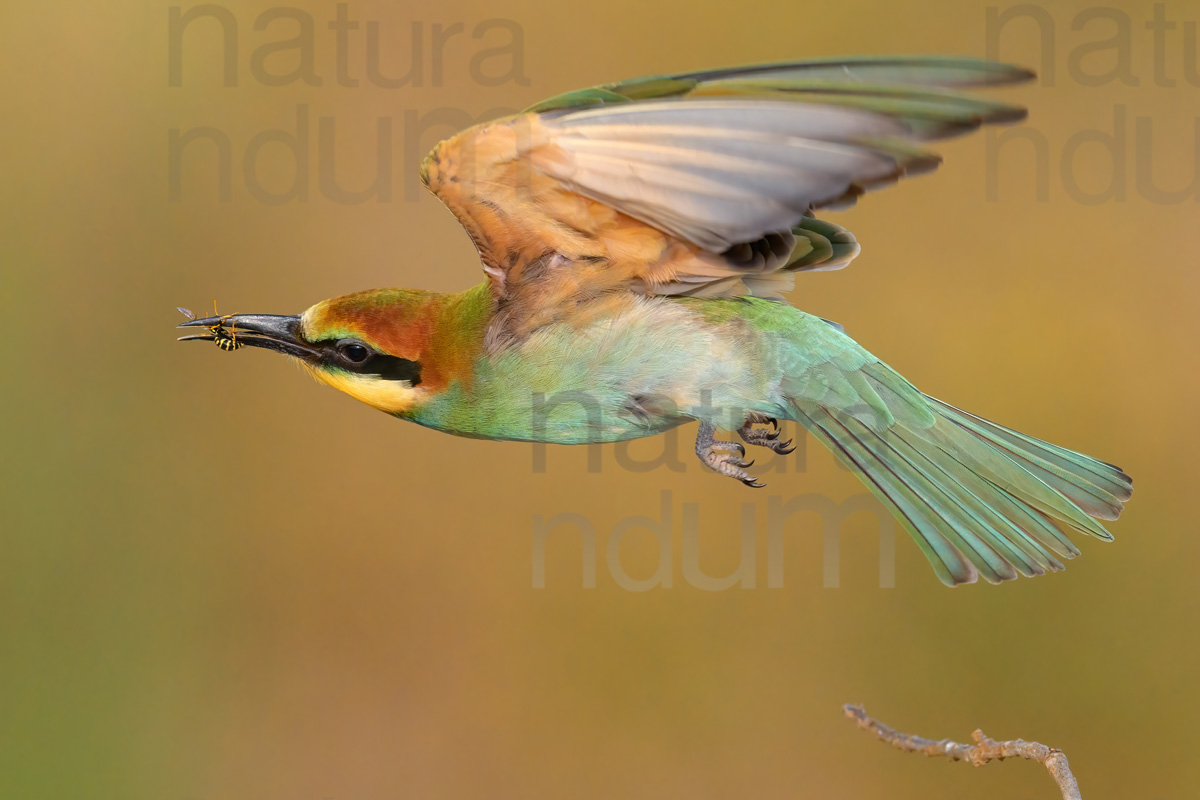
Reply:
x=978, y=498
x=1036, y=524
x=983, y=503
x=959, y=522
x=1098, y=488
x=981, y=456
x=904, y=501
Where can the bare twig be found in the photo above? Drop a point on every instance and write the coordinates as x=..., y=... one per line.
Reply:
x=980, y=753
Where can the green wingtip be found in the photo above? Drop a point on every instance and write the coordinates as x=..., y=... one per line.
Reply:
x=849, y=74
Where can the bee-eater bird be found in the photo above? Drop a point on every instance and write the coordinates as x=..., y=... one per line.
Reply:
x=636, y=239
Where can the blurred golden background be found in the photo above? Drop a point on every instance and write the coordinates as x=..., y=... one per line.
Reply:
x=219, y=581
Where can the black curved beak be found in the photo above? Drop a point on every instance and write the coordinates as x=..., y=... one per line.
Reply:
x=276, y=332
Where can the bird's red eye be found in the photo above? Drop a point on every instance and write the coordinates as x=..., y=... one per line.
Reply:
x=355, y=352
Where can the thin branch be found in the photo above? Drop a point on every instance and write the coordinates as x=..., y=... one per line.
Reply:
x=978, y=754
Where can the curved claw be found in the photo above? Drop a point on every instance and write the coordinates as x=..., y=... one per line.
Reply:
x=774, y=423
x=753, y=483
x=745, y=464
x=785, y=449
x=741, y=450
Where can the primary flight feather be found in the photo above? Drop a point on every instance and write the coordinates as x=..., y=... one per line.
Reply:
x=637, y=238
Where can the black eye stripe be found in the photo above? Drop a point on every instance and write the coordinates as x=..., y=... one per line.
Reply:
x=391, y=368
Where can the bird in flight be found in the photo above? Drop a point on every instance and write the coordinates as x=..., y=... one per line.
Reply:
x=637, y=239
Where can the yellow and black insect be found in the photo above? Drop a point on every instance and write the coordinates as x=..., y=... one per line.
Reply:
x=224, y=339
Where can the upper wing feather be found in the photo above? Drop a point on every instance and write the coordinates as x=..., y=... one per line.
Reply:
x=717, y=173
x=698, y=184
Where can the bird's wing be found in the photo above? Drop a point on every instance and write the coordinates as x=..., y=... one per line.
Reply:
x=701, y=184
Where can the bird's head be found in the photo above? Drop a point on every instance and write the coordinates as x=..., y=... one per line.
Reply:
x=370, y=345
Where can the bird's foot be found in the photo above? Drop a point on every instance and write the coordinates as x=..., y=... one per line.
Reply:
x=724, y=457
x=763, y=437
